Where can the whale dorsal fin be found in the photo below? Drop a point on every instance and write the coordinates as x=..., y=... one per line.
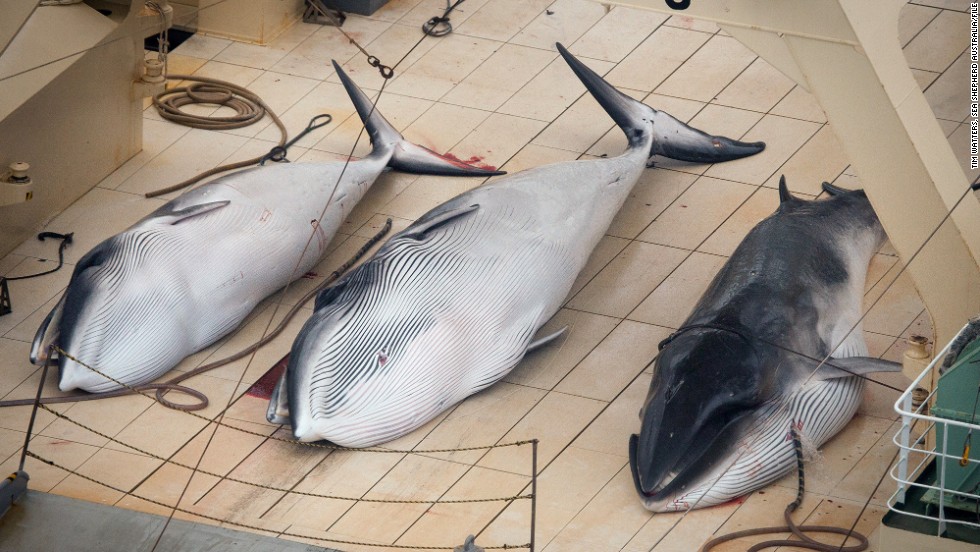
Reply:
x=855, y=366
x=419, y=229
x=175, y=216
x=833, y=190
x=784, y=193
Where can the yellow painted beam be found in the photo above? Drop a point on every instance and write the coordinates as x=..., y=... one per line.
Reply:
x=847, y=54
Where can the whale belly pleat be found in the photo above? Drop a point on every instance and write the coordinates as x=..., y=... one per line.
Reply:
x=161, y=291
x=454, y=317
x=817, y=412
x=110, y=314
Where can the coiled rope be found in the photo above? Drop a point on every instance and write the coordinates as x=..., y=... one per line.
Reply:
x=249, y=108
x=799, y=531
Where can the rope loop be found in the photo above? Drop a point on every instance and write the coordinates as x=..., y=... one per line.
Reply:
x=276, y=155
x=437, y=26
x=209, y=93
x=248, y=107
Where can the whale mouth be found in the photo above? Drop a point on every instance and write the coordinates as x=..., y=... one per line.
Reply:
x=635, y=470
x=662, y=490
x=678, y=467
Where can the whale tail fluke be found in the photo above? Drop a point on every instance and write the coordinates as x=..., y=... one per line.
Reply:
x=406, y=156
x=671, y=138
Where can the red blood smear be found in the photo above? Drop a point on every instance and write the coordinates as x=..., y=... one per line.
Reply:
x=734, y=501
x=475, y=161
x=263, y=388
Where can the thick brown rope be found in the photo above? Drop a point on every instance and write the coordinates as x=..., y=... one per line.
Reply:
x=253, y=527
x=334, y=276
x=248, y=106
x=798, y=530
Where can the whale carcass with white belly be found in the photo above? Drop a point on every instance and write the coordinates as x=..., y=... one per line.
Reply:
x=190, y=272
x=451, y=304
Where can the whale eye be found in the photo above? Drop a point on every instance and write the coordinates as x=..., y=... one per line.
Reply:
x=382, y=357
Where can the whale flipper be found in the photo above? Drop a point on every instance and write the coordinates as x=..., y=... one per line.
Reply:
x=176, y=216
x=422, y=226
x=278, y=412
x=833, y=190
x=855, y=366
x=541, y=342
x=47, y=334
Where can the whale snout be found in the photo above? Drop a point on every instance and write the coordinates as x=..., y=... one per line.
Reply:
x=73, y=375
x=109, y=338
x=703, y=402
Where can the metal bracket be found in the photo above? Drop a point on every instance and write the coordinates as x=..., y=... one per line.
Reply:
x=5, y=307
x=12, y=489
x=318, y=13
x=469, y=546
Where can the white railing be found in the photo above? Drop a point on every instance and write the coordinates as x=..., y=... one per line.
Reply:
x=915, y=452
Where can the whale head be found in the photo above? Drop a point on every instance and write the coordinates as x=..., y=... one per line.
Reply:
x=116, y=318
x=355, y=375
x=703, y=401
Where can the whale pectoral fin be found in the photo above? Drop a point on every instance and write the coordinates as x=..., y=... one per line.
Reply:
x=423, y=225
x=541, y=342
x=327, y=296
x=855, y=366
x=634, y=442
x=278, y=412
x=47, y=334
x=177, y=216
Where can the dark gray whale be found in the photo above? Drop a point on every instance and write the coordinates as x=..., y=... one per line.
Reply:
x=743, y=367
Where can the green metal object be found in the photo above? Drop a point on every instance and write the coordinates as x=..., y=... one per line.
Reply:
x=957, y=399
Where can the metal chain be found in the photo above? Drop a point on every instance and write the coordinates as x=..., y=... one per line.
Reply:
x=271, y=488
x=252, y=527
x=386, y=72
x=163, y=38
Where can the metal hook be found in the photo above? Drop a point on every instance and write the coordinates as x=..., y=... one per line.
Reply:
x=278, y=153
